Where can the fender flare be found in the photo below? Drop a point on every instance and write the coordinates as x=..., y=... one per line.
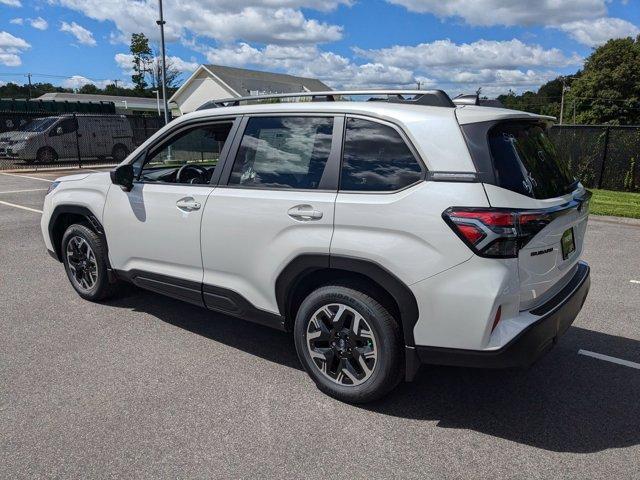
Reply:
x=304, y=264
x=77, y=210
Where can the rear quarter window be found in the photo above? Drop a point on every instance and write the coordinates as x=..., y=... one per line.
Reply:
x=525, y=160
x=376, y=158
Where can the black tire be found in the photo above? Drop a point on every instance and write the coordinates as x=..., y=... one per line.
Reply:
x=46, y=155
x=119, y=152
x=99, y=289
x=388, y=369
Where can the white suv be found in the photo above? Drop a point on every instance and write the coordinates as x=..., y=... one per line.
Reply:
x=384, y=234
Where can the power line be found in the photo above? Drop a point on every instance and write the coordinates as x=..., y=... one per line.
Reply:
x=47, y=75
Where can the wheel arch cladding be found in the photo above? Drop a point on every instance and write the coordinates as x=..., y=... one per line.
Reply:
x=307, y=272
x=65, y=215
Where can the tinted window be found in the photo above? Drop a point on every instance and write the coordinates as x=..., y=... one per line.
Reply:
x=283, y=152
x=68, y=125
x=525, y=161
x=376, y=158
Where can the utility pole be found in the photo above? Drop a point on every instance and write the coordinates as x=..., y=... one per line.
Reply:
x=161, y=23
x=564, y=89
x=419, y=83
x=115, y=82
x=29, y=77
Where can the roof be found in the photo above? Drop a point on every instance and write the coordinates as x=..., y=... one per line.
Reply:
x=120, y=101
x=244, y=81
x=474, y=113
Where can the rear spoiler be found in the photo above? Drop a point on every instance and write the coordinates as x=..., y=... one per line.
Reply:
x=475, y=99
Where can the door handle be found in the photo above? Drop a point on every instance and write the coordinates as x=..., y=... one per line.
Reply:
x=304, y=213
x=188, y=204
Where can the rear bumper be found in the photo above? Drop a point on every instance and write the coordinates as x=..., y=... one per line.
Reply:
x=557, y=315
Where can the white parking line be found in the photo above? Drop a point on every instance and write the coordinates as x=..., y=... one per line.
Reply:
x=24, y=191
x=20, y=206
x=26, y=176
x=634, y=281
x=607, y=358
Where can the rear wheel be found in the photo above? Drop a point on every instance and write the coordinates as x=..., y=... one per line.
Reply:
x=119, y=152
x=349, y=344
x=46, y=155
x=85, y=261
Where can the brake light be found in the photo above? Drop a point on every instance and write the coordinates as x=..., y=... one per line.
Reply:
x=495, y=232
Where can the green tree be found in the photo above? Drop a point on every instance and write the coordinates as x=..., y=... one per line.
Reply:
x=90, y=88
x=608, y=90
x=142, y=59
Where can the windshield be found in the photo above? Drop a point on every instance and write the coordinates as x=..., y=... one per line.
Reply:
x=38, y=124
x=525, y=161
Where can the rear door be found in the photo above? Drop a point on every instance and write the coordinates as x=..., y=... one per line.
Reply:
x=529, y=175
x=274, y=202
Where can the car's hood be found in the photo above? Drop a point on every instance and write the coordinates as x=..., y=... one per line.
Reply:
x=81, y=176
x=17, y=136
x=72, y=178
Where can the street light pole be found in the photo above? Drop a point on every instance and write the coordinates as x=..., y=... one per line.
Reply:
x=161, y=23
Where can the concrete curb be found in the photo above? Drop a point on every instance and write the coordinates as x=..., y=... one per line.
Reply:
x=633, y=222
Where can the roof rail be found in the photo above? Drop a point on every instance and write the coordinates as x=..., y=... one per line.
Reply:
x=434, y=98
x=474, y=99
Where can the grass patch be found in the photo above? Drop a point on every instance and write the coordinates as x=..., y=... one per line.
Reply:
x=618, y=204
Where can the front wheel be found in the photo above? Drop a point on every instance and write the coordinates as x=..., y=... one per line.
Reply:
x=349, y=344
x=85, y=261
x=46, y=155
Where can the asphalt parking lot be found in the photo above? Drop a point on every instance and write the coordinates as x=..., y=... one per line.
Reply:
x=145, y=386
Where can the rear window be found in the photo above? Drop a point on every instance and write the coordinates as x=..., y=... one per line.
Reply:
x=525, y=161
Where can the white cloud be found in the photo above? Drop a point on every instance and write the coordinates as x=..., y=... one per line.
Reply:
x=17, y=21
x=309, y=61
x=479, y=54
x=596, y=32
x=11, y=3
x=457, y=70
x=125, y=62
x=39, y=23
x=510, y=12
x=78, y=81
x=10, y=49
x=83, y=35
x=269, y=21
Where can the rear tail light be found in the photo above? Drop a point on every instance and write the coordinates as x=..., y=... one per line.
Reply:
x=495, y=232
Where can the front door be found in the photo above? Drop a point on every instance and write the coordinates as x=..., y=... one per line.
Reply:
x=153, y=231
x=275, y=201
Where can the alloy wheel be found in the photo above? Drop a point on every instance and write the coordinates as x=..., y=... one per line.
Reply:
x=82, y=263
x=342, y=344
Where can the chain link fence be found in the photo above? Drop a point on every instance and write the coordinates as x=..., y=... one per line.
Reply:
x=601, y=156
x=34, y=140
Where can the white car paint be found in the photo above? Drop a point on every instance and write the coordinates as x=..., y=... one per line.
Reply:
x=241, y=238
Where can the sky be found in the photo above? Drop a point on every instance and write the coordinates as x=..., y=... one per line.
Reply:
x=456, y=45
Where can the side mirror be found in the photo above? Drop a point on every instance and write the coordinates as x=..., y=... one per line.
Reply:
x=123, y=176
x=59, y=131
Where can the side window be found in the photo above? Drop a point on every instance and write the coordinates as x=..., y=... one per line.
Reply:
x=68, y=125
x=189, y=157
x=283, y=152
x=376, y=158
